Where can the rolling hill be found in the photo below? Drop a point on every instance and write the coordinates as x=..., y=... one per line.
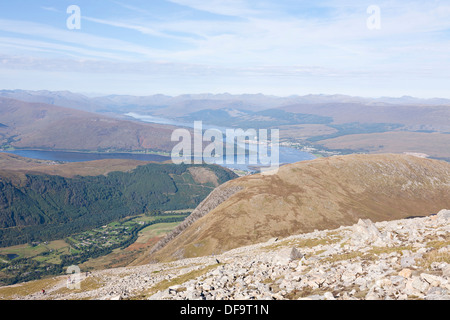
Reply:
x=413, y=117
x=320, y=194
x=44, y=126
x=433, y=144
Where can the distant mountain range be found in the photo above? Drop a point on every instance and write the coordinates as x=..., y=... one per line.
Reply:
x=252, y=102
x=336, y=123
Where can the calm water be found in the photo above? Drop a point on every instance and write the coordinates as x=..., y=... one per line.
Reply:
x=287, y=155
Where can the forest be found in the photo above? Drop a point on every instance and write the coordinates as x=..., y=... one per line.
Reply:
x=48, y=207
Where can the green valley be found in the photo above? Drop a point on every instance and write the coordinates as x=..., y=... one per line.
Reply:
x=39, y=259
x=48, y=207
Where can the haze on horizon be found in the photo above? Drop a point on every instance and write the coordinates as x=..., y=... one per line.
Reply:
x=173, y=47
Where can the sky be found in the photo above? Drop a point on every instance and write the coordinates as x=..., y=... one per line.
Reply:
x=363, y=48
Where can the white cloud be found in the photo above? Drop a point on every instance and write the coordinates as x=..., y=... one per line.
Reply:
x=50, y=9
x=26, y=45
x=136, y=27
x=258, y=45
x=122, y=49
x=237, y=8
x=130, y=7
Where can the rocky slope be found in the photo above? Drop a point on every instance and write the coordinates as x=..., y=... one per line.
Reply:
x=320, y=194
x=400, y=259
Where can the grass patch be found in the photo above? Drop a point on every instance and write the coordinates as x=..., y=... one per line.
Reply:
x=434, y=256
x=165, y=284
x=88, y=284
x=303, y=243
x=361, y=294
x=414, y=297
x=387, y=250
x=306, y=292
x=28, y=288
x=438, y=244
x=368, y=256
x=196, y=249
x=267, y=281
x=343, y=256
x=156, y=230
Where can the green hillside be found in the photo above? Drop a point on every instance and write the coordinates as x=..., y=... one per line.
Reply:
x=47, y=207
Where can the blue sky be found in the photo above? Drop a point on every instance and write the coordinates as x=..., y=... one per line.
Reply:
x=173, y=47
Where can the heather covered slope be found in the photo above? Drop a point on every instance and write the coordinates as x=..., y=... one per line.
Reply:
x=15, y=168
x=19, y=166
x=319, y=194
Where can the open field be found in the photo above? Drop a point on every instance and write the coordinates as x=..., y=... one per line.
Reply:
x=156, y=230
x=114, y=245
x=28, y=251
x=133, y=254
